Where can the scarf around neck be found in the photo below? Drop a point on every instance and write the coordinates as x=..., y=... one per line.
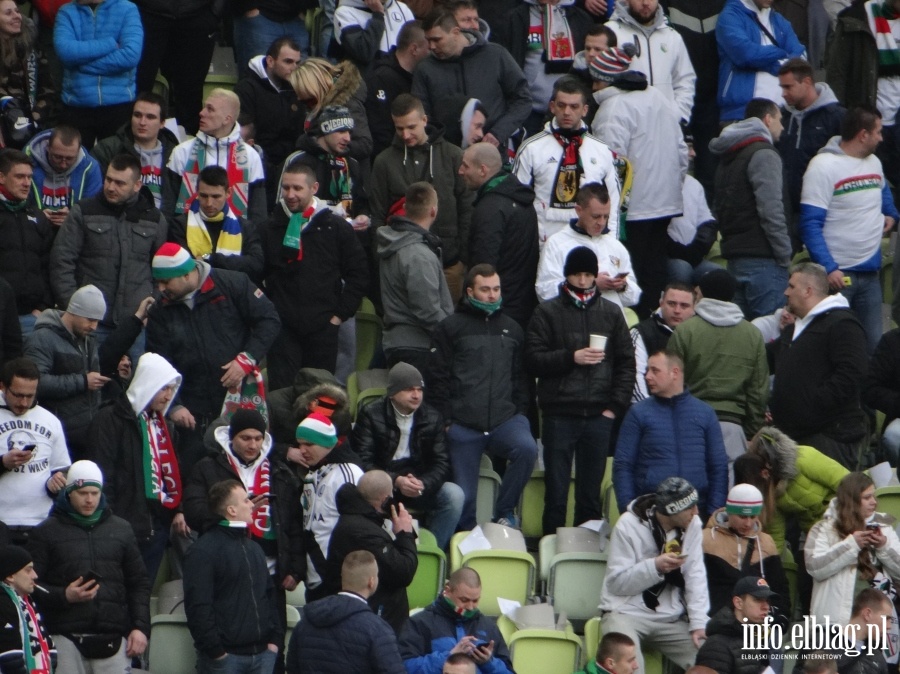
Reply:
x=199, y=241
x=9, y=203
x=162, y=478
x=568, y=175
x=35, y=647
x=557, y=37
x=237, y=166
x=292, y=244
x=257, y=480
x=580, y=298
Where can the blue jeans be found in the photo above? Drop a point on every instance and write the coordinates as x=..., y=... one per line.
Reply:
x=26, y=322
x=261, y=663
x=682, y=271
x=511, y=440
x=254, y=34
x=587, y=440
x=864, y=295
x=442, y=511
x=760, y=285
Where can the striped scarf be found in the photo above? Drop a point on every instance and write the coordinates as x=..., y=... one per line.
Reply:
x=878, y=15
x=237, y=167
x=257, y=484
x=162, y=479
x=199, y=242
x=35, y=647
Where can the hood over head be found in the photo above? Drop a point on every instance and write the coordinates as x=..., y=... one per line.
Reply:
x=152, y=374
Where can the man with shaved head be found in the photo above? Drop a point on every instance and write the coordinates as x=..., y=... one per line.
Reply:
x=363, y=509
x=504, y=229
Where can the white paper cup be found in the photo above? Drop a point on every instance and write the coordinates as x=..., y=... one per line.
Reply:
x=598, y=342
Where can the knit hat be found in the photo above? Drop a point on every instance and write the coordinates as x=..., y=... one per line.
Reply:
x=581, y=259
x=332, y=119
x=242, y=419
x=608, y=65
x=744, y=499
x=401, y=377
x=318, y=430
x=13, y=559
x=172, y=261
x=83, y=474
x=757, y=587
x=87, y=302
x=718, y=284
x=675, y=495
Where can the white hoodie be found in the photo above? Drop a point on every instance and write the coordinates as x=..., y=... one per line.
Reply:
x=152, y=374
x=831, y=302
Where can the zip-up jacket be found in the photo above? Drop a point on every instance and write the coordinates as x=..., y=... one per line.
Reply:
x=723, y=650
x=52, y=189
x=385, y=81
x=310, y=153
x=26, y=237
x=366, y=35
x=695, y=21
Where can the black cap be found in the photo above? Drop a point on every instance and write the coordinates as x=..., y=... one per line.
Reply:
x=758, y=587
x=243, y=418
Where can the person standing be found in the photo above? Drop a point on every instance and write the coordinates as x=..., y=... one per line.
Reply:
x=25, y=644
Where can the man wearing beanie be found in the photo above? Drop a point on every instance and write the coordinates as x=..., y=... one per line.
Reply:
x=725, y=362
x=583, y=387
x=479, y=384
x=316, y=274
x=132, y=442
x=330, y=465
x=655, y=586
x=404, y=436
x=735, y=546
x=245, y=454
x=615, y=277
x=21, y=620
x=108, y=241
x=98, y=607
x=215, y=327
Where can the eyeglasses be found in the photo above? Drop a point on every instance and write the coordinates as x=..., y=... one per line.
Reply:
x=61, y=158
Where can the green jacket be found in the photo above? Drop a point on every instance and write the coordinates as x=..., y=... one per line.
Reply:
x=592, y=668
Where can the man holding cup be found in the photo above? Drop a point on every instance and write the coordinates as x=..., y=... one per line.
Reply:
x=579, y=347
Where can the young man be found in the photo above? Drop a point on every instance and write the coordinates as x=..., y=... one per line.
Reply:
x=17, y=576
x=616, y=654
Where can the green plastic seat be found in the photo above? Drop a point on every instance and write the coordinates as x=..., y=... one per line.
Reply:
x=535, y=651
x=430, y=573
x=171, y=647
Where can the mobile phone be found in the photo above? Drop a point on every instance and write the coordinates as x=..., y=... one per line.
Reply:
x=872, y=526
x=92, y=575
x=622, y=275
x=29, y=448
x=682, y=555
x=481, y=644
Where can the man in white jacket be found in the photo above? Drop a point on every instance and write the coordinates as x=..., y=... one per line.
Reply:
x=655, y=588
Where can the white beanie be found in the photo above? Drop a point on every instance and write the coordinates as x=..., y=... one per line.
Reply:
x=83, y=474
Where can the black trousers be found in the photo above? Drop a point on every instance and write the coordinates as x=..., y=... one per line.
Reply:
x=290, y=352
x=646, y=243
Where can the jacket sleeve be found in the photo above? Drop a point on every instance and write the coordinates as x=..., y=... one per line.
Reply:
x=41, y=349
x=436, y=458
x=439, y=371
x=250, y=261
x=684, y=81
x=415, y=649
x=631, y=294
x=765, y=175
x=360, y=43
x=64, y=256
x=517, y=97
x=757, y=391
x=39, y=547
x=421, y=87
x=627, y=572
x=195, y=502
x=137, y=585
x=464, y=208
x=486, y=236
x=93, y=180
x=72, y=51
x=354, y=273
x=364, y=436
x=378, y=193
x=423, y=284
x=257, y=208
x=777, y=579
x=360, y=138
x=733, y=41
x=521, y=389
x=696, y=587
x=824, y=559
x=104, y=441
x=614, y=129
x=716, y=463
x=258, y=312
x=847, y=355
x=549, y=272
x=130, y=42
x=623, y=376
x=716, y=654
x=169, y=193
x=397, y=562
x=880, y=388
x=199, y=590
x=625, y=458
x=384, y=654
x=118, y=344
x=545, y=354
x=889, y=553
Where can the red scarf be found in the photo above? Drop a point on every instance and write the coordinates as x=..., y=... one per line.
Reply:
x=261, y=526
x=162, y=478
x=568, y=176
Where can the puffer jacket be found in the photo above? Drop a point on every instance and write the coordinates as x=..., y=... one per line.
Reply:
x=662, y=437
x=63, y=550
x=557, y=330
x=111, y=247
x=99, y=47
x=26, y=237
x=723, y=649
x=478, y=376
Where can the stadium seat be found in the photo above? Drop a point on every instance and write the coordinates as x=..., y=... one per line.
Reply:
x=368, y=334
x=535, y=651
x=889, y=501
x=488, y=490
x=171, y=648
x=504, y=573
x=430, y=573
x=575, y=583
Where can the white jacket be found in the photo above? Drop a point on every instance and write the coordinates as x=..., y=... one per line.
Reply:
x=537, y=164
x=641, y=126
x=355, y=13
x=612, y=259
x=216, y=153
x=631, y=569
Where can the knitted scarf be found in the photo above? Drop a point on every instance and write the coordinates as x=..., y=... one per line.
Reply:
x=878, y=15
x=10, y=203
x=568, y=175
x=651, y=595
x=557, y=39
x=35, y=647
x=237, y=167
x=340, y=185
x=258, y=484
x=198, y=240
x=251, y=395
x=162, y=478
x=291, y=243
x=580, y=298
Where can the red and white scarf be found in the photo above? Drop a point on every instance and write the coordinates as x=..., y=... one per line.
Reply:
x=257, y=480
x=162, y=478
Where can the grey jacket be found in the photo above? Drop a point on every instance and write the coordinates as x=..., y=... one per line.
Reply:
x=413, y=287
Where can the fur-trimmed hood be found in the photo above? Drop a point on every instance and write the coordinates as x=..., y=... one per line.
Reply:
x=345, y=86
x=780, y=451
x=341, y=415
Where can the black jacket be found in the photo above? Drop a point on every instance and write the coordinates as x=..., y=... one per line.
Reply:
x=339, y=635
x=512, y=33
x=12, y=656
x=330, y=280
x=881, y=387
x=376, y=435
x=504, y=233
x=723, y=650
x=360, y=527
x=228, y=594
x=478, y=379
x=318, y=159
x=10, y=329
x=385, y=81
x=63, y=550
x=557, y=330
x=250, y=261
x=26, y=238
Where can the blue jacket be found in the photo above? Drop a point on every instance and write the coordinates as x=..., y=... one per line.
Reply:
x=741, y=55
x=57, y=189
x=99, y=50
x=666, y=437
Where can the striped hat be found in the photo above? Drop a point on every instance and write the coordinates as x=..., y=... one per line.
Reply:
x=83, y=474
x=318, y=430
x=744, y=499
x=172, y=261
x=608, y=65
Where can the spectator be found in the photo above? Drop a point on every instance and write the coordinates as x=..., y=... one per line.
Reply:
x=504, y=229
x=463, y=120
x=880, y=391
x=561, y=159
x=227, y=590
x=367, y=30
x=218, y=143
x=98, y=607
x=257, y=23
x=313, y=390
x=346, y=624
x=17, y=576
x=64, y=172
x=582, y=389
x=404, y=436
x=363, y=510
x=616, y=654
x=466, y=14
x=480, y=386
x=459, y=663
x=754, y=41
x=99, y=46
x=750, y=208
x=872, y=611
x=146, y=138
x=655, y=586
x=453, y=624
x=26, y=494
x=599, y=38
x=667, y=434
x=464, y=62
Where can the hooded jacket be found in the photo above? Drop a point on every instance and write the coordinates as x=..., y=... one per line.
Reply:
x=310, y=153
x=350, y=91
x=341, y=634
x=743, y=58
x=361, y=527
x=749, y=194
x=661, y=56
x=414, y=290
x=288, y=405
x=385, y=80
x=852, y=67
x=485, y=71
x=52, y=189
x=116, y=444
x=723, y=651
x=110, y=246
x=725, y=362
x=123, y=143
x=437, y=162
x=365, y=35
x=26, y=237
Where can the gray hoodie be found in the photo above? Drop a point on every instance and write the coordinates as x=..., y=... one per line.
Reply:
x=719, y=313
